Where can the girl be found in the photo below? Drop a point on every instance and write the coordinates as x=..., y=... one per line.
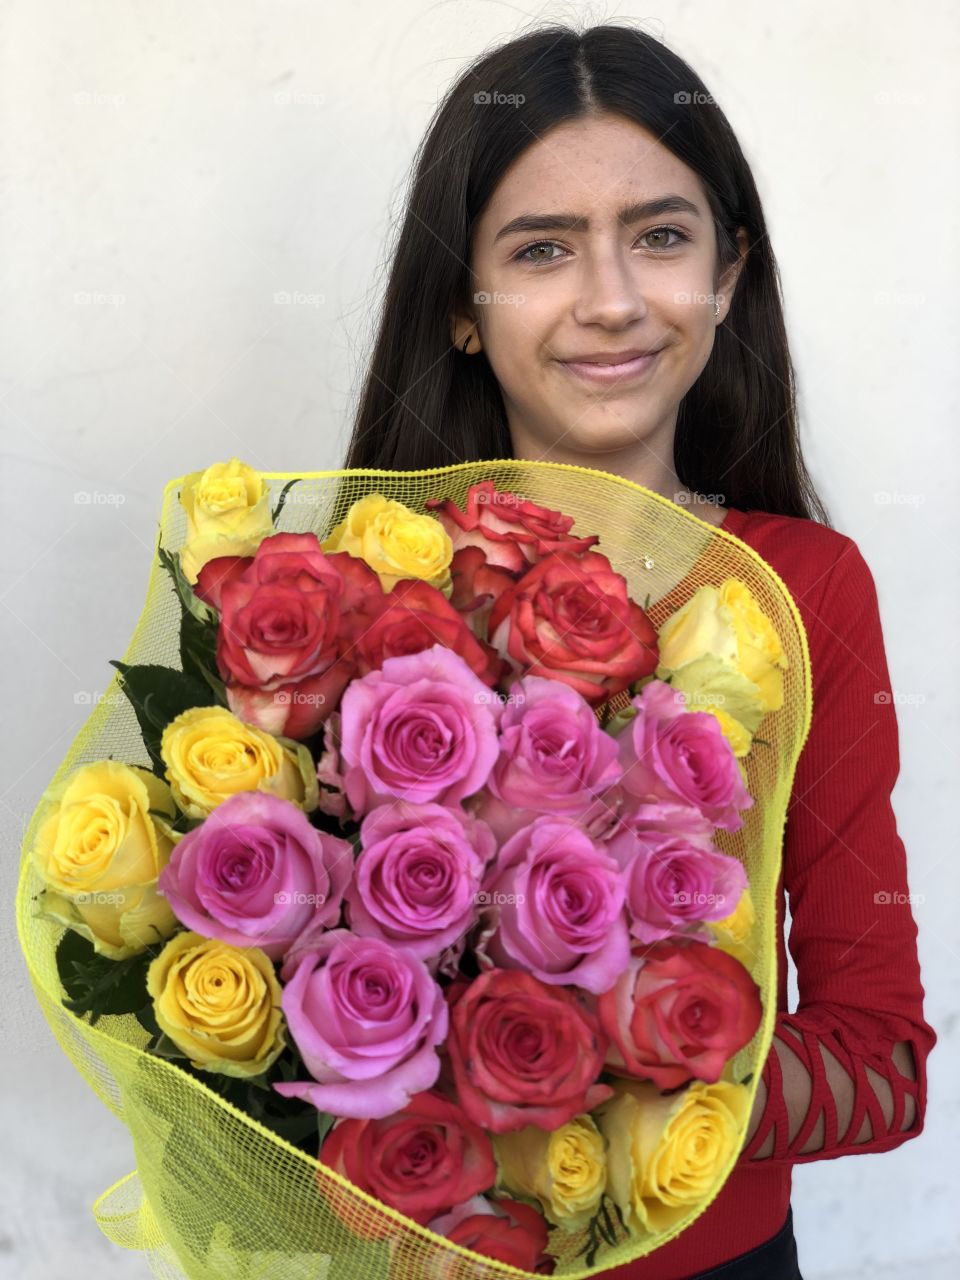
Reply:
x=584, y=275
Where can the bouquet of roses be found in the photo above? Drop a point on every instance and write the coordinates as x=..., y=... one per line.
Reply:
x=424, y=873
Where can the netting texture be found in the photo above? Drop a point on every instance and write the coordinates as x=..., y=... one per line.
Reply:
x=216, y=1196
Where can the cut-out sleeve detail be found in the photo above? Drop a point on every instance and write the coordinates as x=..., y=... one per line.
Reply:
x=852, y=931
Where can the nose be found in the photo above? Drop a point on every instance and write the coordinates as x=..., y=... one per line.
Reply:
x=610, y=289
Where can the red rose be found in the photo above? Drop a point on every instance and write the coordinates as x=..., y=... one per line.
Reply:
x=214, y=576
x=476, y=585
x=421, y=1161
x=523, y=1052
x=414, y=616
x=569, y=618
x=288, y=620
x=511, y=531
x=681, y=1010
x=507, y=1230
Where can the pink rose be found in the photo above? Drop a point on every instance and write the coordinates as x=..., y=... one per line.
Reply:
x=554, y=901
x=670, y=753
x=418, y=875
x=256, y=873
x=423, y=728
x=554, y=757
x=674, y=885
x=367, y=1018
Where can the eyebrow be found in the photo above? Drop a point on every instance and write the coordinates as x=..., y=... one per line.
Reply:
x=629, y=214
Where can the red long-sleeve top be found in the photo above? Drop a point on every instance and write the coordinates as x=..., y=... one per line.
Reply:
x=852, y=935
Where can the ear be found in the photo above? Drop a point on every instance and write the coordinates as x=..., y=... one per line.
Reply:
x=462, y=326
x=728, y=281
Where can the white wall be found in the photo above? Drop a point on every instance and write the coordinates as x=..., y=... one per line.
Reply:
x=198, y=158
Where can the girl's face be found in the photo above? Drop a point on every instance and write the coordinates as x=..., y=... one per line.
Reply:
x=622, y=280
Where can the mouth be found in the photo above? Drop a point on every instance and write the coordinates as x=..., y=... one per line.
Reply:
x=606, y=374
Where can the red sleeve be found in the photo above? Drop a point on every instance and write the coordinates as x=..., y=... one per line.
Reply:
x=853, y=936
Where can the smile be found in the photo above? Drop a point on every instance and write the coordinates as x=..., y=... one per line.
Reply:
x=608, y=374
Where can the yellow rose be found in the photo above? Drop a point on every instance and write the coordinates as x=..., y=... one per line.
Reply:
x=762, y=659
x=228, y=514
x=219, y=1004
x=99, y=852
x=395, y=542
x=735, y=931
x=665, y=1154
x=725, y=632
x=210, y=754
x=708, y=684
x=565, y=1169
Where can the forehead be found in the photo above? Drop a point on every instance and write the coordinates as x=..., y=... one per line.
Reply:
x=589, y=166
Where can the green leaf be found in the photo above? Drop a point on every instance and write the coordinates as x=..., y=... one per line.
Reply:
x=97, y=985
x=148, y=1020
x=282, y=499
x=158, y=695
x=324, y=1124
x=180, y=823
x=198, y=654
x=190, y=602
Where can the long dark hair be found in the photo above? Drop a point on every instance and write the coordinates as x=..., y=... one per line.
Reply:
x=424, y=404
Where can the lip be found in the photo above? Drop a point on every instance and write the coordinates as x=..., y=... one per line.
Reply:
x=608, y=374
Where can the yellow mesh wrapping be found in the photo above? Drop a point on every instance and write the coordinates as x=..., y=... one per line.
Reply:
x=215, y=1195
